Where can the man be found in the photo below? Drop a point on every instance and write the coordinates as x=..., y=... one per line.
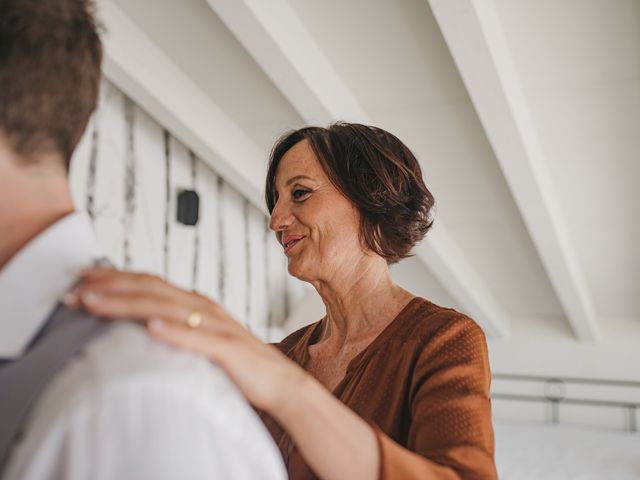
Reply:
x=124, y=407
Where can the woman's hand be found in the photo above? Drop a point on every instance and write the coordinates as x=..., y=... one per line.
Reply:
x=318, y=423
x=260, y=371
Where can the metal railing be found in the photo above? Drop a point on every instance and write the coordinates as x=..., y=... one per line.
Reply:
x=555, y=395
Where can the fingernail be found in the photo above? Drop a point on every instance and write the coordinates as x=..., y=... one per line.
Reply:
x=156, y=325
x=90, y=298
x=88, y=271
x=70, y=299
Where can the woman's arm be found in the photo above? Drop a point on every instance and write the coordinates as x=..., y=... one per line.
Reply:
x=334, y=441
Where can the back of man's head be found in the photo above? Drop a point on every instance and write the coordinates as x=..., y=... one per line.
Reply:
x=50, y=56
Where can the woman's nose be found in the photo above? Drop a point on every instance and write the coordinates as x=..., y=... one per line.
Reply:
x=281, y=217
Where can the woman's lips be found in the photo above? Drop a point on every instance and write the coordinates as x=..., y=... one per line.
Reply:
x=291, y=241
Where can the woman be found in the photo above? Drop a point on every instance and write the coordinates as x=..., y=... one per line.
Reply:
x=387, y=385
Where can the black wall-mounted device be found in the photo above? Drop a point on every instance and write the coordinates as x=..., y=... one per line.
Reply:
x=188, y=207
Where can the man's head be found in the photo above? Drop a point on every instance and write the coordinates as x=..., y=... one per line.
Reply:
x=50, y=55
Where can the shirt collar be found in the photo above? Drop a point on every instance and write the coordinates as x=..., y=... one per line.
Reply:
x=36, y=278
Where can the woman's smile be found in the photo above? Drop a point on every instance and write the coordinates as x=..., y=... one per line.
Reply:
x=289, y=241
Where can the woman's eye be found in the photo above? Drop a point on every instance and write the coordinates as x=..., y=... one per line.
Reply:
x=299, y=193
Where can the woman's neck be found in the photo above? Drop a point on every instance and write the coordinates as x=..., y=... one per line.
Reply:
x=360, y=303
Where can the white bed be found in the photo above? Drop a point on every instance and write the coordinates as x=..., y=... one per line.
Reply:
x=561, y=452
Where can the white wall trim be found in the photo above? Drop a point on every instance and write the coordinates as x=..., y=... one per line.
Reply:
x=279, y=42
x=478, y=45
x=146, y=74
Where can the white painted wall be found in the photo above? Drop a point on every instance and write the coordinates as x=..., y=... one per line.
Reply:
x=544, y=352
x=127, y=173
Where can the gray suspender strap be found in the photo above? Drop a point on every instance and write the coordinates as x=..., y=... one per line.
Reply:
x=23, y=380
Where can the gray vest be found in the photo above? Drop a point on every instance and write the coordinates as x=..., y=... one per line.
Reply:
x=24, y=379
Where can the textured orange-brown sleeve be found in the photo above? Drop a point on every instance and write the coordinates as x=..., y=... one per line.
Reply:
x=451, y=435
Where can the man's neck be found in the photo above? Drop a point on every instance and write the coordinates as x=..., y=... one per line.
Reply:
x=15, y=237
x=33, y=196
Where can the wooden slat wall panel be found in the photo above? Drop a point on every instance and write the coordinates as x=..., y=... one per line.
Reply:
x=130, y=179
x=234, y=251
x=106, y=191
x=208, y=232
x=127, y=172
x=249, y=269
x=295, y=291
x=181, y=237
x=277, y=291
x=79, y=171
x=258, y=301
x=147, y=229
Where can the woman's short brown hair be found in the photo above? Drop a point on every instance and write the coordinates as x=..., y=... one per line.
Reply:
x=378, y=173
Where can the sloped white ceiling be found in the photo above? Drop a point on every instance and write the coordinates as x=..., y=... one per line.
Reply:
x=198, y=42
x=580, y=64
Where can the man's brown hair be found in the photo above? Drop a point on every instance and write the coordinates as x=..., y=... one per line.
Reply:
x=374, y=170
x=50, y=55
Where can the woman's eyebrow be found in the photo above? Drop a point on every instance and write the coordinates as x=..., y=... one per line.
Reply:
x=296, y=178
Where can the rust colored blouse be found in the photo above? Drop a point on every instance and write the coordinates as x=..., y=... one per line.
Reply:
x=423, y=384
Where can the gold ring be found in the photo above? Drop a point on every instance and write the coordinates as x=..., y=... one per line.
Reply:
x=194, y=320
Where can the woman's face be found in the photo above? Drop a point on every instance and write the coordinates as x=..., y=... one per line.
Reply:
x=316, y=225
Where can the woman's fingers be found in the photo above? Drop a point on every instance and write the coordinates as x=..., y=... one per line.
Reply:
x=191, y=339
x=97, y=271
x=113, y=295
x=99, y=283
x=131, y=282
x=131, y=306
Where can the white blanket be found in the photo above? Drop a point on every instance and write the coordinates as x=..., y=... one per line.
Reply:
x=560, y=452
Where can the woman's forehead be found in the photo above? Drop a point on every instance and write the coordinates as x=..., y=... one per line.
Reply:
x=300, y=160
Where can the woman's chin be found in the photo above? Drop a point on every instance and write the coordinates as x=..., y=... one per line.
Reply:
x=296, y=269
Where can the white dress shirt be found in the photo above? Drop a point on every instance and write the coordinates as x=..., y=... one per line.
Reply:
x=126, y=407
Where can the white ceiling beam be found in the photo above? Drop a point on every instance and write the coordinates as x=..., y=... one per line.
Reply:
x=479, y=48
x=145, y=73
x=279, y=42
